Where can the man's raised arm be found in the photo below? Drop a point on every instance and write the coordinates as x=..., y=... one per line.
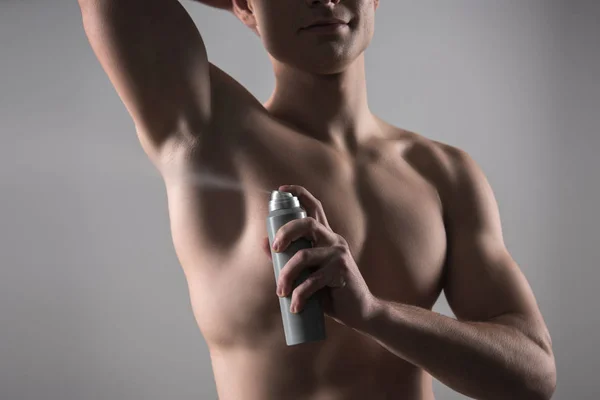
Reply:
x=156, y=59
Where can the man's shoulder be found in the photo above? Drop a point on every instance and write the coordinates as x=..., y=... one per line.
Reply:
x=437, y=160
x=449, y=169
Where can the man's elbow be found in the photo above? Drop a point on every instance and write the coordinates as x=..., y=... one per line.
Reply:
x=543, y=388
x=550, y=381
x=545, y=384
x=548, y=371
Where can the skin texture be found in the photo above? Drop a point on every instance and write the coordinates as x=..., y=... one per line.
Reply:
x=398, y=216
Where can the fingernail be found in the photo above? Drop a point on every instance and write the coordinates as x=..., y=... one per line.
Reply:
x=276, y=245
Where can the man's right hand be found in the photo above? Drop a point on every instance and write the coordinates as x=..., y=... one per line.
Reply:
x=222, y=4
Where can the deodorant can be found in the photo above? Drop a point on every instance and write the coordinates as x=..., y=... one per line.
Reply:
x=308, y=325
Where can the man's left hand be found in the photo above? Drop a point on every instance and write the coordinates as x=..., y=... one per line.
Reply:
x=345, y=296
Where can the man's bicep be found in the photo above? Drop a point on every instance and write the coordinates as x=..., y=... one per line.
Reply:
x=482, y=279
x=484, y=282
x=156, y=60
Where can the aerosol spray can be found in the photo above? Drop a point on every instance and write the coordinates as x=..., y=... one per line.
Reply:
x=308, y=325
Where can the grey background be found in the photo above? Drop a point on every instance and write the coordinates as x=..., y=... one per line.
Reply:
x=93, y=304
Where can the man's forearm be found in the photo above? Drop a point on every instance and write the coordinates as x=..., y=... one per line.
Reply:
x=480, y=360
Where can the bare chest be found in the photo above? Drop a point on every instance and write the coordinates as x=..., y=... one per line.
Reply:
x=388, y=213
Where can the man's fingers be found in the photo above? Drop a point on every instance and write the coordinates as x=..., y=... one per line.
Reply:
x=313, y=206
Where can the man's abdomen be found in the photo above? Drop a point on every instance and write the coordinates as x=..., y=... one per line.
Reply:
x=346, y=366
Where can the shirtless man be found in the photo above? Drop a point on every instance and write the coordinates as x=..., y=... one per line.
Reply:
x=400, y=217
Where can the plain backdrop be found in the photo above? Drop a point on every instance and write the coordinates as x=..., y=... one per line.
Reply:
x=93, y=303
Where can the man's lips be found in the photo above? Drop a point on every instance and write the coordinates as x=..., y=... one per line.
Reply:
x=326, y=22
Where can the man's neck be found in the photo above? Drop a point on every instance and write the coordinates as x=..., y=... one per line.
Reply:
x=330, y=108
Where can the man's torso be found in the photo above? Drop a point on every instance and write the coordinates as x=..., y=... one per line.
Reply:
x=382, y=200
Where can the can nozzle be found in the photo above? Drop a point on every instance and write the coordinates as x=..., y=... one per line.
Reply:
x=280, y=195
x=281, y=199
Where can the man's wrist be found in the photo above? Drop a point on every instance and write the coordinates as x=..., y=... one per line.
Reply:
x=372, y=312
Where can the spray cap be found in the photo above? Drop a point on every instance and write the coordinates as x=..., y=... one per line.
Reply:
x=280, y=199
